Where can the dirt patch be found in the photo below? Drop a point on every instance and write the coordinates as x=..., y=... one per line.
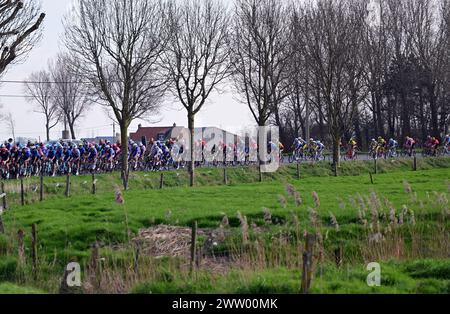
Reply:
x=162, y=240
x=174, y=241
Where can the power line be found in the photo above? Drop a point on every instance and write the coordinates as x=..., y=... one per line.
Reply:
x=29, y=96
x=60, y=82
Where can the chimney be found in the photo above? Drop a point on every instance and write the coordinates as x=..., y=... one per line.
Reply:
x=174, y=125
x=139, y=126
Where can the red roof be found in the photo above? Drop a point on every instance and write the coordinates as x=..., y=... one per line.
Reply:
x=150, y=133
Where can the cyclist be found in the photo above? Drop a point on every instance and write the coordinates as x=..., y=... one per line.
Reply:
x=428, y=145
x=109, y=155
x=5, y=156
x=311, y=148
x=75, y=158
x=373, y=148
x=25, y=158
x=392, y=145
x=135, y=154
x=352, y=147
x=281, y=148
x=92, y=155
x=381, y=148
x=9, y=145
x=35, y=158
x=320, y=147
x=434, y=146
x=409, y=146
x=446, y=144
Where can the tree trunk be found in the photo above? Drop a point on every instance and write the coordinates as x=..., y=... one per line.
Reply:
x=191, y=167
x=72, y=129
x=47, y=130
x=124, y=154
x=336, y=149
x=434, y=112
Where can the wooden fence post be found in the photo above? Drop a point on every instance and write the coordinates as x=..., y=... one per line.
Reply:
x=225, y=177
x=94, y=184
x=371, y=177
x=41, y=188
x=93, y=264
x=4, y=196
x=22, y=196
x=193, y=245
x=2, y=228
x=34, y=249
x=308, y=263
x=415, y=163
x=375, y=166
x=260, y=173
x=298, y=170
x=161, y=181
x=137, y=253
x=21, y=252
x=338, y=256
x=68, y=185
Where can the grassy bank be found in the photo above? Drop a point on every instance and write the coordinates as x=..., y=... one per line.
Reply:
x=262, y=245
x=82, y=185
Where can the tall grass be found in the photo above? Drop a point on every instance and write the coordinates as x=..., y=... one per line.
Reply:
x=374, y=231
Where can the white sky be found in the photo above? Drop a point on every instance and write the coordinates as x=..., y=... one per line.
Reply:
x=222, y=110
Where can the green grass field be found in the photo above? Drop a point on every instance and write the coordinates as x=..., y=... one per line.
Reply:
x=413, y=255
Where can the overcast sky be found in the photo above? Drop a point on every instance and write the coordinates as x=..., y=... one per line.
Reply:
x=221, y=111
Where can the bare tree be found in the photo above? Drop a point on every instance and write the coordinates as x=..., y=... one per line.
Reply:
x=69, y=91
x=197, y=56
x=332, y=35
x=19, y=30
x=259, y=55
x=117, y=46
x=426, y=28
x=40, y=88
x=8, y=119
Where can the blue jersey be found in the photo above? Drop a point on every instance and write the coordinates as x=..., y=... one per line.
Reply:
x=67, y=154
x=75, y=153
x=51, y=153
x=135, y=152
x=109, y=152
x=59, y=153
x=26, y=154
x=92, y=153
x=35, y=153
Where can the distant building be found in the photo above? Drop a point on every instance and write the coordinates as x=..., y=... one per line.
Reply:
x=165, y=133
x=158, y=133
